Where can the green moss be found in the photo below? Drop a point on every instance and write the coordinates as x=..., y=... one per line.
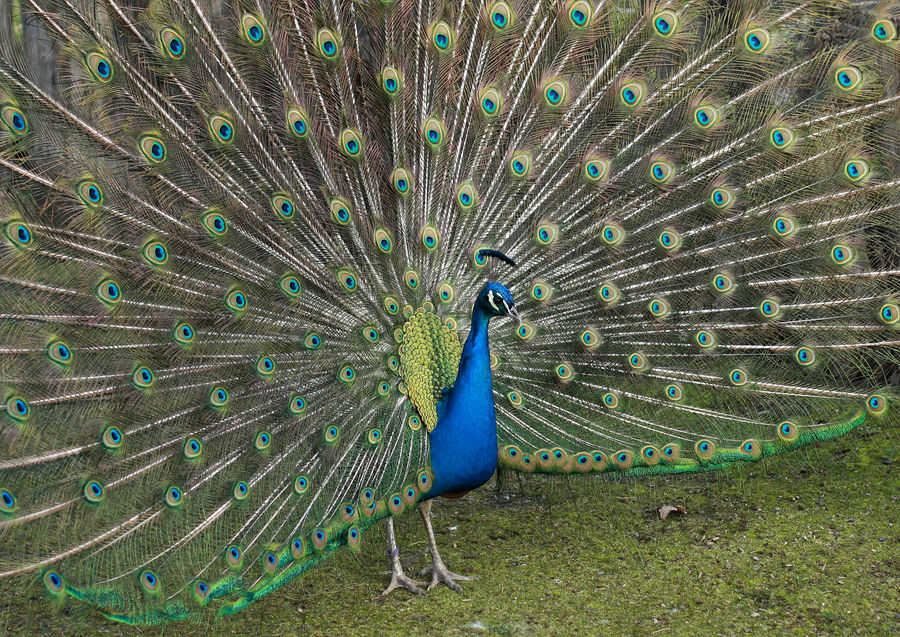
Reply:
x=804, y=543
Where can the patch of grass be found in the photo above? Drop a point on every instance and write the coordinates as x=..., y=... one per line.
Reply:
x=806, y=543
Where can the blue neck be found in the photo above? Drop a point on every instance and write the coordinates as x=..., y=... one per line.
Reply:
x=464, y=442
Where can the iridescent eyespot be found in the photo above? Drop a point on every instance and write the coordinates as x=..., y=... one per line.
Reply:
x=706, y=116
x=214, y=223
x=149, y=581
x=262, y=441
x=297, y=406
x=93, y=491
x=705, y=339
x=200, y=591
x=174, y=497
x=192, y=448
x=393, y=363
x=301, y=484
x=319, y=539
x=756, y=40
x=609, y=293
x=788, y=432
x=784, y=226
x=466, y=196
x=805, y=356
x=142, y=377
x=424, y=480
x=382, y=388
x=411, y=278
x=501, y=15
x=589, y=339
x=842, y=254
x=374, y=436
x=282, y=205
x=856, y=170
x=580, y=13
x=391, y=80
x=661, y=171
x=221, y=129
x=434, y=132
x=525, y=331
x=269, y=562
x=351, y=142
x=623, y=459
x=347, y=280
x=442, y=36
x=236, y=301
x=430, y=238
x=515, y=398
x=18, y=408
x=218, y=397
x=19, y=234
x=53, y=582
x=183, y=333
x=340, y=211
x=253, y=29
x=847, y=78
x=671, y=452
x=669, y=240
x=391, y=305
x=445, y=292
x=155, y=253
x=401, y=181
x=781, y=137
x=327, y=43
x=612, y=234
x=541, y=291
x=546, y=234
x=14, y=119
x=8, y=504
x=398, y=337
x=290, y=285
x=99, y=66
x=637, y=362
x=674, y=392
x=564, y=372
x=331, y=434
x=665, y=23
x=650, y=455
x=234, y=557
x=738, y=377
x=704, y=449
x=152, y=148
x=240, y=491
x=346, y=374
x=172, y=43
x=490, y=100
x=298, y=122
x=721, y=198
x=632, y=94
x=770, y=308
x=414, y=422
x=876, y=404
x=884, y=31
x=451, y=324
x=520, y=164
x=889, y=313
x=659, y=308
x=722, y=283
x=265, y=366
x=59, y=352
x=555, y=92
x=112, y=438
x=595, y=169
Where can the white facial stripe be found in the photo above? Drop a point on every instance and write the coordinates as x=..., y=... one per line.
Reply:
x=506, y=305
x=491, y=300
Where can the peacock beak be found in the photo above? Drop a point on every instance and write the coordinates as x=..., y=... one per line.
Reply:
x=513, y=312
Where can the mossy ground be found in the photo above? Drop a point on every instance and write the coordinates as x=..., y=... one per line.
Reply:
x=805, y=544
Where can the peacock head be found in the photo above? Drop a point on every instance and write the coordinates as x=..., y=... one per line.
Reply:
x=496, y=300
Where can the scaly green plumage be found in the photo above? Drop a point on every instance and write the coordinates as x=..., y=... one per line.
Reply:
x=223, y=224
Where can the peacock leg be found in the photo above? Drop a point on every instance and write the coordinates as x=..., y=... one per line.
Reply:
x=440, y=574
x=398, y=577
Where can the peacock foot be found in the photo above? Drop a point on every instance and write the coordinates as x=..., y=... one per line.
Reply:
x=440, y=574
x=400, y=580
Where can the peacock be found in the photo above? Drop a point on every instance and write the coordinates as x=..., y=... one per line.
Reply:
x=275, y=271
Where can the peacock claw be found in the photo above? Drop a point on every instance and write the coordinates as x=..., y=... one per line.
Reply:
x=400, y=580
x=440, y=574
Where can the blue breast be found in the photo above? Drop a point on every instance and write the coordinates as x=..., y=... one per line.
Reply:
x=464, y=442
